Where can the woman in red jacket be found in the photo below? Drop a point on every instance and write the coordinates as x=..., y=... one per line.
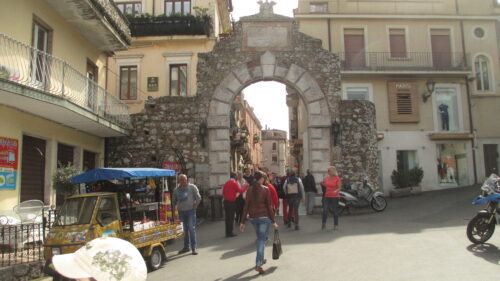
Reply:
x=258, y=207
x=331, y=198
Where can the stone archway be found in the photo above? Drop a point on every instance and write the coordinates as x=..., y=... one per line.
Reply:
x=267, y=47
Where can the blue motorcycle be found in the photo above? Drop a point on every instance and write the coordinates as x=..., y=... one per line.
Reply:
x=482, y=226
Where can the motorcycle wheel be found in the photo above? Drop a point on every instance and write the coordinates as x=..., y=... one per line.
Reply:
x=379, y=203
x=479, y=230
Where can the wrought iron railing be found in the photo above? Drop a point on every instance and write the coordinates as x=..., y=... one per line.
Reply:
x=25, y=65
x=23, y=243
x=404, y=61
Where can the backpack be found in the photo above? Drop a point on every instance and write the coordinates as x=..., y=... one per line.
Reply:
x=292, y=188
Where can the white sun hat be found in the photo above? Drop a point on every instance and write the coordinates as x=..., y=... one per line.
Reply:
x=104, y=259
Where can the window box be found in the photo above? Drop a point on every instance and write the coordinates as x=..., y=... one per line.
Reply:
x=170, y=25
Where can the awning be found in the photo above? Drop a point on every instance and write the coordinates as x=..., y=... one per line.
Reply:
x=120, y=173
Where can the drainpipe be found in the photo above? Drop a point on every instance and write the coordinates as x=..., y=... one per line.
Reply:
x=467, y=87
x=329, y=36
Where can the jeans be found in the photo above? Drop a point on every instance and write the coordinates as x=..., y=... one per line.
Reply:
x=328, y=203
x=293, y=210
x=188, y=219
x=310, y=202
x=261, y=226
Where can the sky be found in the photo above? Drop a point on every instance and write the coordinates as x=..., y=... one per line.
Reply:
x=268, y=99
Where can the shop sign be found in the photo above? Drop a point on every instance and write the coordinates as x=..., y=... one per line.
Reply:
x=9, y=151
x=172, y=166
x=152, y=84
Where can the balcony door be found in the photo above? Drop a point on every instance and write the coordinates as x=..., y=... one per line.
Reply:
x=39, y=63
x=91, y=85
x=354, y=44
x=441, y=48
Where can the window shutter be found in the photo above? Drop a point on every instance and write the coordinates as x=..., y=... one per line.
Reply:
x=403, y=102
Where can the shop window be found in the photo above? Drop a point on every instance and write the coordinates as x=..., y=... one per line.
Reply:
x=64, y=155
x=452, y=164
x=447, y=109
x=130, y=8
x=397, y=42
x=481, y=66
x=181, y=7
x=318, y=7
x=406, y=160
x=128, y=82
x=178, y=79
x=403, y=102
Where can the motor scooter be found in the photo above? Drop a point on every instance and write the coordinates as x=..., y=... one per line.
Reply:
x=367, y=196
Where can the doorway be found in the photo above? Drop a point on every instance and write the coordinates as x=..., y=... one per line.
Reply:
x=33, y=169
x=490, y=159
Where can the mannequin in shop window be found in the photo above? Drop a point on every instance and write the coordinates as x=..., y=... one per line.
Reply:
x=445, y=118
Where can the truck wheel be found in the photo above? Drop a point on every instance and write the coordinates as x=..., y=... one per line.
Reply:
x=155, y=260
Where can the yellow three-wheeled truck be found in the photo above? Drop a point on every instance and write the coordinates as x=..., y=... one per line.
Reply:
x=128, y=203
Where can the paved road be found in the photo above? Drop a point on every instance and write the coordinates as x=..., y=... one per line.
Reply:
x=416, y=238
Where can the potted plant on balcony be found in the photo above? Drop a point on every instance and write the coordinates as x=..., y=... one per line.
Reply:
x=406, y=183
x=225, y=34
x=256, y=138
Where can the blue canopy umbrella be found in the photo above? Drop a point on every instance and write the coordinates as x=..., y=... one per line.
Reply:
x=120, y=173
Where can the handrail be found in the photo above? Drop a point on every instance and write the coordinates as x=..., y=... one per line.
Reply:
x=28, y=66
x=418, y=61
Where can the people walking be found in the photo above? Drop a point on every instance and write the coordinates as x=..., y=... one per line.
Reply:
x=258, y=207
x=240, y=200
x=230, y=190
x=331, y=198
x=294, y=190
x=274, y=194
x=311, y=191
x=186, y=198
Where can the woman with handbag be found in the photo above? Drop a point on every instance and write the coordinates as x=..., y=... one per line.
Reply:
x=331, y=195
x=259, y=209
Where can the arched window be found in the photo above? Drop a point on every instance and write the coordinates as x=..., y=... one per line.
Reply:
x=274, y=146
x=482, y=73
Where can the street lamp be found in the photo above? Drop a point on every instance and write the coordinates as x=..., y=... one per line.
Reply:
x=430, y=85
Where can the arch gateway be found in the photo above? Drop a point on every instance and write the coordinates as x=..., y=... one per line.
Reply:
x=262, y=47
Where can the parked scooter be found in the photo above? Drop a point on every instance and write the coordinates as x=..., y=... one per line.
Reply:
x=481, y=227
x=357, y=199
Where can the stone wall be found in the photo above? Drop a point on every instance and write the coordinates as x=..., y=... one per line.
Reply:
x=358, y=142
x=171, y=125
x=22, y=272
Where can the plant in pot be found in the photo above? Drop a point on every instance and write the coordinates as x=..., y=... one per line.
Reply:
x=62, y=182
x=406, y=181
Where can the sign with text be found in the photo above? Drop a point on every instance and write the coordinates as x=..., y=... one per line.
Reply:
x=172, y=166
x=152, y=84
x=9, y=151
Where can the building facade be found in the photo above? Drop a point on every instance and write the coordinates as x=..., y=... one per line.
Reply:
x=167, y=36
x=274, y=151
x=431, y=69
x=53, y=97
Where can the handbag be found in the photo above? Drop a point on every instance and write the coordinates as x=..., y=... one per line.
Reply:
x=277, y=251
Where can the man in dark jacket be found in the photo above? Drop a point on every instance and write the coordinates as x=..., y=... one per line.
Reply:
x=311, y=191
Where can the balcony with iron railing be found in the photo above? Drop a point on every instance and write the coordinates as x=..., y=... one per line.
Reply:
x=47, y=86
x=405, y=62
x=161, y=25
